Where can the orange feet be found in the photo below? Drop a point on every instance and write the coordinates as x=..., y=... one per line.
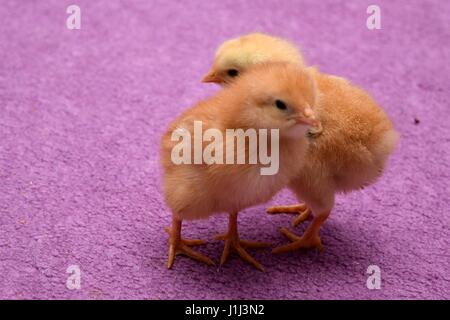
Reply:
x=305, y=241
x=303, y=212
x=309, y=239
x=177, y=245
x=232, y=242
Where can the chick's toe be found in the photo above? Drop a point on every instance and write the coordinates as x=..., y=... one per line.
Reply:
x=232, y=242
x=180, y=246
x=306, y=241
x=301, y=209
x=309, y=239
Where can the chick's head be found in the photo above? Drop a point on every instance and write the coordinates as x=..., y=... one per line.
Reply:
x=276, y=96
x=235, y=56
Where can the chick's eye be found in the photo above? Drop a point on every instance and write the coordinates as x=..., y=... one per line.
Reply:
x=233, y=73
x=280, y=105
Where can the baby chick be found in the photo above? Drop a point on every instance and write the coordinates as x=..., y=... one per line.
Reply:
x=236, y=55
x=349, y=154
x=351, y=151
x=267, y=97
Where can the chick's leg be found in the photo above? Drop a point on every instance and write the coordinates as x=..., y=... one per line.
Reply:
x=303, y=212
x=232, y=242
x=309, y=239
x=177, y=245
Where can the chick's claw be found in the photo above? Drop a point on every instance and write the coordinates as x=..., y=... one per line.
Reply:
x=179, y=246
x=303, y=212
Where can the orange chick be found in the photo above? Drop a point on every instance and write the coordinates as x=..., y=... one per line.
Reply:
x=267, y=97
x=236, y=55
x=349, y=151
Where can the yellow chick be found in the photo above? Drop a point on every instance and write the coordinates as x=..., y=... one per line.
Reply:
x=268, y=98
x=351, y=151
x=236, y=55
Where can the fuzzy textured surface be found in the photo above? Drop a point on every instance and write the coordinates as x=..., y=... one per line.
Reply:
x=82, y=113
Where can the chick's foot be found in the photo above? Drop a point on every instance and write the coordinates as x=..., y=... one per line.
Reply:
x=232, y=242
x=301, y=209
x=178, y=246
x=310, y=239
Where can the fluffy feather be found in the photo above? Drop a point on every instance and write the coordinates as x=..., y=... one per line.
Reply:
x=349, y=153
x=240, y=53
x=353, y=148
x=195, y=191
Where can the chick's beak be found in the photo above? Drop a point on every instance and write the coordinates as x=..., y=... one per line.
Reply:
x=308, y=118
x=309, y=121
x=211, y=76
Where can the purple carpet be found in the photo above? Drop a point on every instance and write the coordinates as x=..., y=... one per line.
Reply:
x=82, y=113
